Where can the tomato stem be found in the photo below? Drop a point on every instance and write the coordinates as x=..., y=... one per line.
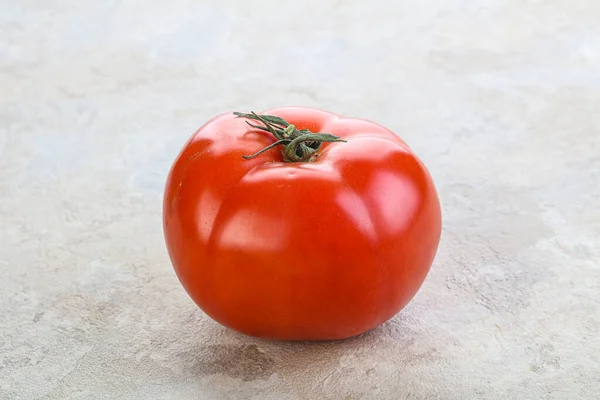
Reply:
x=298, y=145
x=277, y=143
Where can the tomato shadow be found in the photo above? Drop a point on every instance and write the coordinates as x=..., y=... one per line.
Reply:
x=361, y=363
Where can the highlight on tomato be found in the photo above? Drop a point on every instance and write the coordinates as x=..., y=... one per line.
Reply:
x=299, y=224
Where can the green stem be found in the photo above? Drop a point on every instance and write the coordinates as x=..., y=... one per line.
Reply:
x=277, y=143
x=300, y=151
x=297, y=145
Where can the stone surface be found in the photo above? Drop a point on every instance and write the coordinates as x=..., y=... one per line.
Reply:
x=500, y=98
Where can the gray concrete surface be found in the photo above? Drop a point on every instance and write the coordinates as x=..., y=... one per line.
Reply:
x=500, y=98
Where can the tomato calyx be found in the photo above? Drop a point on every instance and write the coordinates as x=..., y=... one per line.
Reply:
x=298, y=145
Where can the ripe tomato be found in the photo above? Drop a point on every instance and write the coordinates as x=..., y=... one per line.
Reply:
x=317, y=239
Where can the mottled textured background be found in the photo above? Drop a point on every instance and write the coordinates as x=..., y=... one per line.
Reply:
x=500, y=98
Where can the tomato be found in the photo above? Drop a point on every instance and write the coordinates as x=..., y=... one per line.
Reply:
x=317, y=237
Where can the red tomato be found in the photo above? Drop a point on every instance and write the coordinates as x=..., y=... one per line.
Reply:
x=327, y=247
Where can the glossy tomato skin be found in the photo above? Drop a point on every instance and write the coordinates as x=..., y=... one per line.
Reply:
x=300, y=251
